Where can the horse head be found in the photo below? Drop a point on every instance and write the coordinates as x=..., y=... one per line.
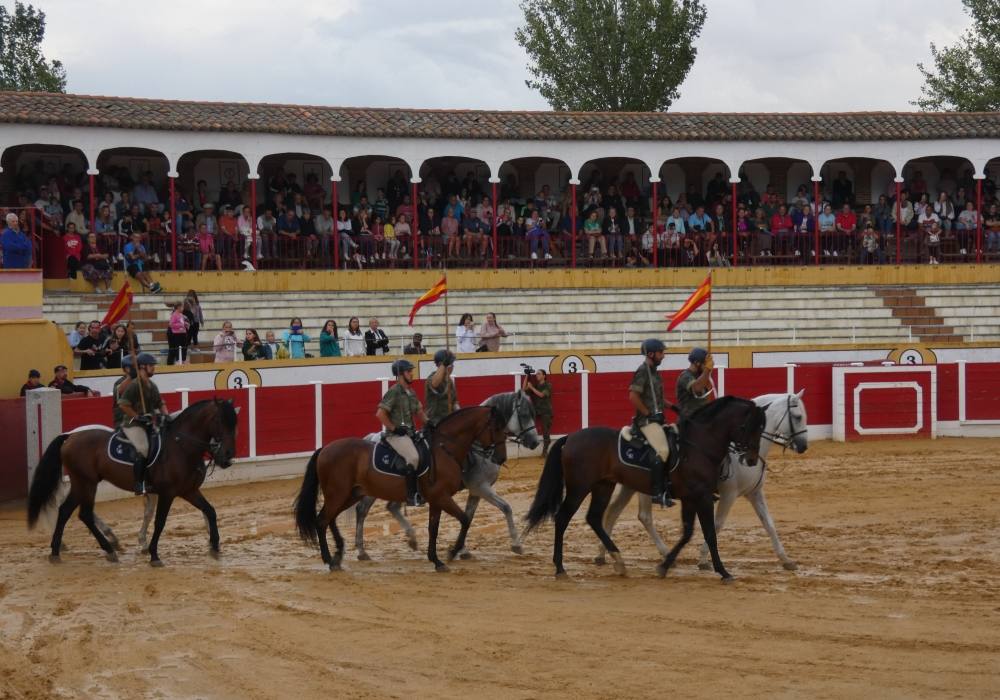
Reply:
x=215, y=422
x=521, y=424
x=786, y=420
x=798, y=437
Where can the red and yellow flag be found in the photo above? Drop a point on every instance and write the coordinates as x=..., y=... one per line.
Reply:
x=429, y=297
x=702, y=294
x=120, y=306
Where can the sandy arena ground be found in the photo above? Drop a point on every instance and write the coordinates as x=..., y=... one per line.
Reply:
x=896, y=596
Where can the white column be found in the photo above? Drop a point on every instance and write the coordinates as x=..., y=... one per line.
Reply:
x=318, y=393
x=584, y=399
x=252, y=418
x=961, y=391
x=517, y=381
x=385, y=384
x=43, y=418
x=789, y=377
x=184, y=397
x=720, y=389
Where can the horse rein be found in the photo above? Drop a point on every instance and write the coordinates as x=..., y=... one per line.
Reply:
x=777, y=437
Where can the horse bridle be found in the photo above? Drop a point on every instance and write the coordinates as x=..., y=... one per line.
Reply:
x=213, y=446
x=777, y=437
x=518, y=439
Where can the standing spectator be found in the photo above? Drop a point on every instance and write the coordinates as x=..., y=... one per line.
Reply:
x=206, y=247
x=354, y=343
x=295, y=340
x=178, y=334
x=491, y=333
x=73, y=249
x=92, y=348
x=416, y=346
x=843, y=190
x=77, y=334
x=329, y=340
x=540, y=392
x=253, y=349
x=244, y=224
x=870, y=253
x=61, y=382
x=993, y=230
x=120, y=346
x=466, y=335
x=376, y=341
x=16, y=245
x=135, y=264
x=34, y=382
x=195, y=317
x=225, y=343
x=934, y=242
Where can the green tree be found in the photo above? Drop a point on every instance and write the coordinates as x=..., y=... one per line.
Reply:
x=22, y=64
x=966, y=76
x=610, y=55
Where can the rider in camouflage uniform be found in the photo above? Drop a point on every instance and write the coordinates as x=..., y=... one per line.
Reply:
x=397, y=412
x=645, y=392
x=128, y=375
x=694, y=385
x=141, y=404
x=440, y=395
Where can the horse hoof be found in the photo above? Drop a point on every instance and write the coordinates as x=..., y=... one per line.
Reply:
x=156, y=563
x=335, y=566
x=661, y=571
x=704, y=566
x=111, y=557
x=465, y=555
x=55, y=559
x=790, y=565
x=619, y=565
x=441, y=568
x=214, y=553
x=363, y=556
x=728, y=578
x=517, y=549
x=562, y=576
x=600, y=560
x=413, y=543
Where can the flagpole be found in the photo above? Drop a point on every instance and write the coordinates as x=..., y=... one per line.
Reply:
x=447, y=335
x=129, y=335
x=711, y=284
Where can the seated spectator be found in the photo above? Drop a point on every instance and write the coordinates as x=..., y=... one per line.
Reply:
x=65, y=386
x=366, y=240
x=611, y=229
x=77, y=334
x=945, y=211
x=782, y=228
x=402, y=233
x=475, y=236
x=716, y=258
x=390, y=244
x=922, y=204
x=288, y=232
x=77, y=217
x=967, y=226
x=135, y=264
x=225, y=343
x=903, y=213
x=804, y=224
x=144, y=193
x=449, y=233
x=95, y=264
x=490, y=334
x=295, y=339
x=992, y=224
x=346, y=234
x=73, y=250
x=34, y=382
x=324, y=226
x=92, y=348
x=376, y=341
x=266, y=225
x=592, y=230
x=883, y=216
x=762, y=232
x=827, y=228
x=253, y=348
x=416, y=346
x=354, y=341
x=329, y=340
x=538, y=236
x=699, y=222
x=690, y=253
x=846, y=224
x=16, y=245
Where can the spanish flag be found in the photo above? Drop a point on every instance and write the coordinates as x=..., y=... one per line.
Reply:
x=120, y=306
x=429, y=297
x=702, y=294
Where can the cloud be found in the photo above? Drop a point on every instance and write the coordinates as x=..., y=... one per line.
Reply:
x=780, y=55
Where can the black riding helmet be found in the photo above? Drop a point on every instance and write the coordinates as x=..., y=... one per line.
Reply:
x=444, y=357
x=652, y=345
x=400, y=366
x=698, y=355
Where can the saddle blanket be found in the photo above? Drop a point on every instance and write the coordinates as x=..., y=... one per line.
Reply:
x=122, y=451
x=384, y=459
x=637, y=453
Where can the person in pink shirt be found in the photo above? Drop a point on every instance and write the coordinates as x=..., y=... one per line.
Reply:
x=177, y=334
x=206, y=246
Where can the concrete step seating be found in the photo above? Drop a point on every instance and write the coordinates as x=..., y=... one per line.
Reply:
x=973, y=312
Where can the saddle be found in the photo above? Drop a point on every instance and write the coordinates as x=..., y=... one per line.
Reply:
x=122, y=451
x=387, y=460
x=634, y=451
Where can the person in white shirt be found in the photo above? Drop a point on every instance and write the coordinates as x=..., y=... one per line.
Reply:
x=354, y=339
x=466, y=335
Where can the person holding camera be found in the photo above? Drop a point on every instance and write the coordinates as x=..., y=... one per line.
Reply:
x=225, y=343
x=538, y=389
x=397, y=412
x=440, y=395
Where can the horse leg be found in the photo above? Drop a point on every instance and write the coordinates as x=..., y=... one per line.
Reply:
x=149, y=507
x=760, y=506
x=565, y=513
x=433, y=521
x=491, y=496
x=706, y=517
x=198, y=500
x=65, y=511
x=688, y=512
x=360, y=514
x=470, y=512
x=646, y=518
x=453, y=509
x=599, y=499
x=614, y=510
x=726, y=500
x=163, y=504
x=396, y=508
x=338, y=539
x=108, y=533
x=87, y=517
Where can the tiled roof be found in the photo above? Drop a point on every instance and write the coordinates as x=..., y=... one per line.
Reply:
x=173, y=115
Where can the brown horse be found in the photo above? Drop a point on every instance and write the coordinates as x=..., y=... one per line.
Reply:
x=207, y=426
x=343, y=470
x=587, y=463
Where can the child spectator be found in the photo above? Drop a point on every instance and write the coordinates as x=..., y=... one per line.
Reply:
x=329, y=340
x=253, y=348
x=225, y=343
x=206, y=248
x=295, y=340
x=73, y=249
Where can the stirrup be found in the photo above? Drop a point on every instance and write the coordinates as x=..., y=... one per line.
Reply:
x=663, y=499
x=139, y=488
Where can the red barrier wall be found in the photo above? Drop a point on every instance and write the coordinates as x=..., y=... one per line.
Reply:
x=982, y=391
x=13, y=453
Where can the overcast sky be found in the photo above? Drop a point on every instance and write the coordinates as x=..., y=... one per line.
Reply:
x=778, y=55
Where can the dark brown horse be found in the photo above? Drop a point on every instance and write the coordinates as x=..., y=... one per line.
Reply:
x=205, y=427
x=587, y=463
x=343, y=470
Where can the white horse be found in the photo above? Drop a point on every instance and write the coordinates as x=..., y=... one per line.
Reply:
x=786, y=427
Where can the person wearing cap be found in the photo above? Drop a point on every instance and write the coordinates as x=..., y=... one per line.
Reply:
x=416, y=346
x=128, y=374
x=397, y=412
x=645, y=392
x=34, y=381
x=440, y=395
x=694, y=385
x=61, y=382
x=141, y=403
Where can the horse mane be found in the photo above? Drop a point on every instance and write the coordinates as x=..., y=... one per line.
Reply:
x=226, y=410
x=712, y=410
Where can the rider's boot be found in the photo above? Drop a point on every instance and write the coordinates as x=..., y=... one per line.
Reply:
x=661, y=488
x=413, y=497
x=139, y=475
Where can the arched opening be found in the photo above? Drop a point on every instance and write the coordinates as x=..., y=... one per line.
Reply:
x=375, y=187
x=612, y=203
x=939, y=189
x=693, y=213
x=294, y=190
x=534, y=192
x=211, y=191
x=455, y=212
x=855, y=193
x=775, y=221
x=133, y=188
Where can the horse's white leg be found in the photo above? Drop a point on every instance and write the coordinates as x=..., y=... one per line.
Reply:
x=614, y=510
x=646, y=518
x=396, y=509
x=490, y=495
x=147, y=518
x=760, y=505
x=728, y=494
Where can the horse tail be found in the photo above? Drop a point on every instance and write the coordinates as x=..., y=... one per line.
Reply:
x=549, y=495
x=46, y=480
x=305, y=502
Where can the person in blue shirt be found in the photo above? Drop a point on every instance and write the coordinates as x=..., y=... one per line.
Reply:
x=135, y=264
x=295, y=340
x=700, y=222
x=16, y=245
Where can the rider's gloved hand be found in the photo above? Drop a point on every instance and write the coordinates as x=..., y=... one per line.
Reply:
x=656, y=418
x=401, y=431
